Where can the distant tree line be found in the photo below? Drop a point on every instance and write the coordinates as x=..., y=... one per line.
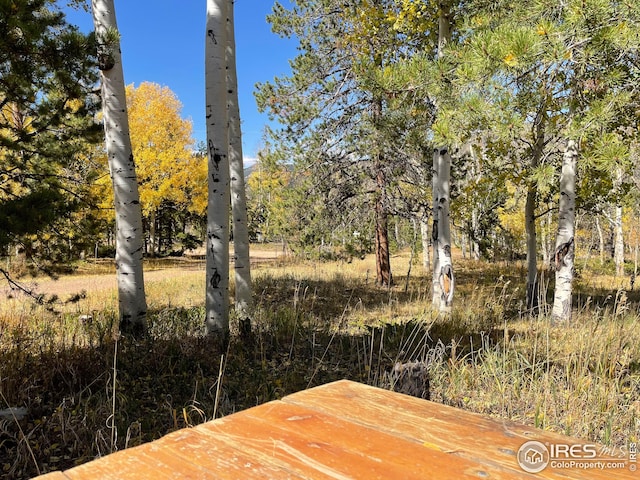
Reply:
x=508, y=129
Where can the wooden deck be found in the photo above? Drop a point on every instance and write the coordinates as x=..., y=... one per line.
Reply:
x=343, y=430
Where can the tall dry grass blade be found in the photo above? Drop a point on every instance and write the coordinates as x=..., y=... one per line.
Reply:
x=114, y=433
x=219, y=383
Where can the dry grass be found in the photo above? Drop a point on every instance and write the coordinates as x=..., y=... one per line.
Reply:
x=315, y=322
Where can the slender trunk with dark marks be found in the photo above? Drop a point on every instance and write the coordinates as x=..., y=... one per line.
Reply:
x=565, y=243
x=242, y=264
x=129, y=232
x=217, y=264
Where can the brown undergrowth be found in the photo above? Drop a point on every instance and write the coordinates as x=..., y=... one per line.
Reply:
x=314, y=323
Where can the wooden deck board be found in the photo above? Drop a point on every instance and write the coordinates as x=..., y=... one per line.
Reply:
x=53, y=476
x=228, y=460
x=133, y=463
x=342, y=430
x=478, y=438
x=317, y=445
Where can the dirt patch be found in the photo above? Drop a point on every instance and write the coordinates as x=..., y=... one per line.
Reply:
x=155, y=270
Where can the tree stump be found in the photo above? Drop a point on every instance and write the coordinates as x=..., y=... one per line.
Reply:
x=411, y=378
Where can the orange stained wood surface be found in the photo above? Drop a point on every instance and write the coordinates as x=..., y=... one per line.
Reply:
x=343, y=430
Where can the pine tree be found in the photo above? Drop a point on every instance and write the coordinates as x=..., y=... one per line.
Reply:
x=46, y=120
x=339, y=122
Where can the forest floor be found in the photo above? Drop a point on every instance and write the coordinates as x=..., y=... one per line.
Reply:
x=87, y=391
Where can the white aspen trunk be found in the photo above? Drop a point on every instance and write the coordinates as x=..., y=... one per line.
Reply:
x=544, y=242
x=618, y=248
x=476, y=176
x=565, y=242
x=475, y=226
x=425, y=234
x=600, y=240
x=443, y=279
x=618, y=242
x=444, y=28
x=217, y=264
x=242, y=264
x=447, y=280
x=129, y=233
x=549, y=239
x=436, y=291
x=153, y=239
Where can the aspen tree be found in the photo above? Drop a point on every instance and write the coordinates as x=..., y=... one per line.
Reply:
x=129, y=235
x=565, y=243
x=217, y=241
x=242, y=265
x=443, y=278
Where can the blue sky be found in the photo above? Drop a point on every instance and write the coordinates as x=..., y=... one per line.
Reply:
x=163, y=42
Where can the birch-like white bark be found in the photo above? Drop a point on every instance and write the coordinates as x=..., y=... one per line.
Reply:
x=600, y=240
x=443, y=278
x=475, y=227
x=618, y=243
x=217, y=264
x=447, y=280
x=129, y=235
x=242, y=263
x=443, y=281
x=444, y=28
x=565, y=243
x=618, y=247
x=425, y=234
x=545, y=242
x=436, y=291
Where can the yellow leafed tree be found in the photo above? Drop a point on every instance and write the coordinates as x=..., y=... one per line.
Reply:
x=162, y=146
x=169, y=171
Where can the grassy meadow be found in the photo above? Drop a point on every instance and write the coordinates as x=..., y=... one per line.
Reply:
x=89, y=392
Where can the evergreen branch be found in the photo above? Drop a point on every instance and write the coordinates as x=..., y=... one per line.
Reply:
x=14, y=285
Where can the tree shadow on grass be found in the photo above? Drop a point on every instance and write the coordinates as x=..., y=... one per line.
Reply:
x=171, y=378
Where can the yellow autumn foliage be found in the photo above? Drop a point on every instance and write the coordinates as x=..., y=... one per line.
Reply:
x=267, y=190
x=166, y=166
x=411, y=16
x=511, y=215
x=162, y=146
